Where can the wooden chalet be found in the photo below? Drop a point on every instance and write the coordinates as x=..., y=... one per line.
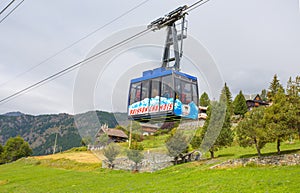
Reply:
x=114, y=135
x=256, y=102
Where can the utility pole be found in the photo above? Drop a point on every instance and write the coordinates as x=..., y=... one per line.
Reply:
x=130, y=134
x=54, y=148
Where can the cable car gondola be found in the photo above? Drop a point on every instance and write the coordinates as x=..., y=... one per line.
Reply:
x=165, y=93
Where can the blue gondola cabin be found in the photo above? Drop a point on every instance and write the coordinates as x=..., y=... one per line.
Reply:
x=163, y=95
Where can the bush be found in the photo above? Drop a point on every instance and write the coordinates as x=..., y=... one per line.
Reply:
x=137, y=137
x=1, y=154
x=136, y=156
x=110, y=152
x=137, y=146
x=14, y=149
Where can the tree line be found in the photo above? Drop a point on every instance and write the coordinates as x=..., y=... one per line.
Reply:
x=276, y=122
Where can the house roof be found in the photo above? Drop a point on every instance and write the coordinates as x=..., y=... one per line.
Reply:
x=115, y=132
x=149, y=130
x=144, y=125
x=252, y=96
x=257, y=99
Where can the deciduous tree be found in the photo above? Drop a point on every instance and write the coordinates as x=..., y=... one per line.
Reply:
x=103, y=140
x=1, y=154
x=176, y=145
x=16, y=148
x=111, y=152
x=136, y=156
x=252, y=130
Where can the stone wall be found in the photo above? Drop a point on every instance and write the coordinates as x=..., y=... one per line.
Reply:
x=151, y=162
x=280, y=160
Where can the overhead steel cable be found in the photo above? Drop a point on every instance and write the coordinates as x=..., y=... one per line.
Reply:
x=74, y=43
x=196, y=5
x=74, y=66
x=11, y=11
x=174, y=15
x=7, y=6
x=82, y=62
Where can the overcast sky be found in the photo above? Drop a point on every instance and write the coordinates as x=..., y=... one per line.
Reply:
x=249, y=40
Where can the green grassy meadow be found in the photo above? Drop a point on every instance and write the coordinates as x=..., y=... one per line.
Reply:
x=192, y=177
x=64, y=175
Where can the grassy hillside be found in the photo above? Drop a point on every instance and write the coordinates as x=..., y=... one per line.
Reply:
x=32, y=176
x=81, y=172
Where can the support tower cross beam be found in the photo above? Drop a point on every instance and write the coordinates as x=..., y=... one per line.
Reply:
x=174, y=38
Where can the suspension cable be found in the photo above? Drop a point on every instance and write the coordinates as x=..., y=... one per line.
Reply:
x=11, y=11
x=76, y=65
x=82, y=62
x=74, y=43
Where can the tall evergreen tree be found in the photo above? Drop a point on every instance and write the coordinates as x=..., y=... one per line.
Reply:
x=274, y=87
x=279, y=117
x=292, y=89
x=294, y=100
x=227, y=96
x=240, y=105
x=297, y=82
x=216, y=132
x=263, y=95
x=204, y=100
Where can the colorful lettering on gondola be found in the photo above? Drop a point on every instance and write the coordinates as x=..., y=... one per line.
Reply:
x=166, y=107
x=151, y=106
x=138, y=111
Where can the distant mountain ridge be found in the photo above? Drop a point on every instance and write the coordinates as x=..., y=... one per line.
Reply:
x=13, y=114
x=40, y=131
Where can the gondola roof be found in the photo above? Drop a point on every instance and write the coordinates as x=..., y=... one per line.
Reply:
x=159, y=72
